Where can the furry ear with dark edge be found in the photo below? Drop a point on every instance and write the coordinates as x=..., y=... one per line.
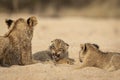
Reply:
x=83, y=47
x=95, y=45
x=67, y=46
x=32, y=21
x=8, y=22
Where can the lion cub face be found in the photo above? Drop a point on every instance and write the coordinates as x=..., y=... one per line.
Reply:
x=59, y=48
x=85, y=48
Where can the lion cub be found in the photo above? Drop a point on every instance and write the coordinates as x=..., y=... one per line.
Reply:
x=57, y=53
x=16, y=44
x=91, y=56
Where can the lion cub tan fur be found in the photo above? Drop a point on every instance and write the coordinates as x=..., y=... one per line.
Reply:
x=15, y=45
x=57, y=52
x=91, y=56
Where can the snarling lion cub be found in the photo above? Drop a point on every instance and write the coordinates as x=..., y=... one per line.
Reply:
x=91, y=56
x=57, y=53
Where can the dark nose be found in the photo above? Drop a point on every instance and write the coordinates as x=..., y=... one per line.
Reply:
x=80, y=60
x=58, y=55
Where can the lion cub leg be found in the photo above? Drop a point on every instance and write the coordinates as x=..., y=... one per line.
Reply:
x=66, y=61
x=114, y=63
x=111, y=68
x=83, y=65
x=70, y=61
x=87, y=63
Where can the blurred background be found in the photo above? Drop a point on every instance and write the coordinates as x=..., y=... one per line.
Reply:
x=57, y=8
x=74, y=21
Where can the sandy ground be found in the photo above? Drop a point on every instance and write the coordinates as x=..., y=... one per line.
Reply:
x=74, y=31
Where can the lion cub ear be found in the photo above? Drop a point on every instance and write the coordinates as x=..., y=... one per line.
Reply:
x=96, y=46
x=66, y=45
x=83, y=47
x=9, y=22
x=32, y=21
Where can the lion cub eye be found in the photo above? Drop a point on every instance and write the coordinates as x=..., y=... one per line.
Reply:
x=61, y=49
x=52, y=47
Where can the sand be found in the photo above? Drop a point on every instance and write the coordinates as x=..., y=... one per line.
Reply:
x=74, y=31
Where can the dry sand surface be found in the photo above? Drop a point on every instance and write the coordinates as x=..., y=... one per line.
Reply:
x=104, y=32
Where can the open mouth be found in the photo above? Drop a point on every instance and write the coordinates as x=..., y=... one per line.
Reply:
x=56, y=57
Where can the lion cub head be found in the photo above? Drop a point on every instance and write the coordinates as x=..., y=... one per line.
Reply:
x=19, y=35
x=59, y=49
x=85, y=48
x=21, y=26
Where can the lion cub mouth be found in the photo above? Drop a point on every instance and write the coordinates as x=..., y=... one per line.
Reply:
x=56, y=57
